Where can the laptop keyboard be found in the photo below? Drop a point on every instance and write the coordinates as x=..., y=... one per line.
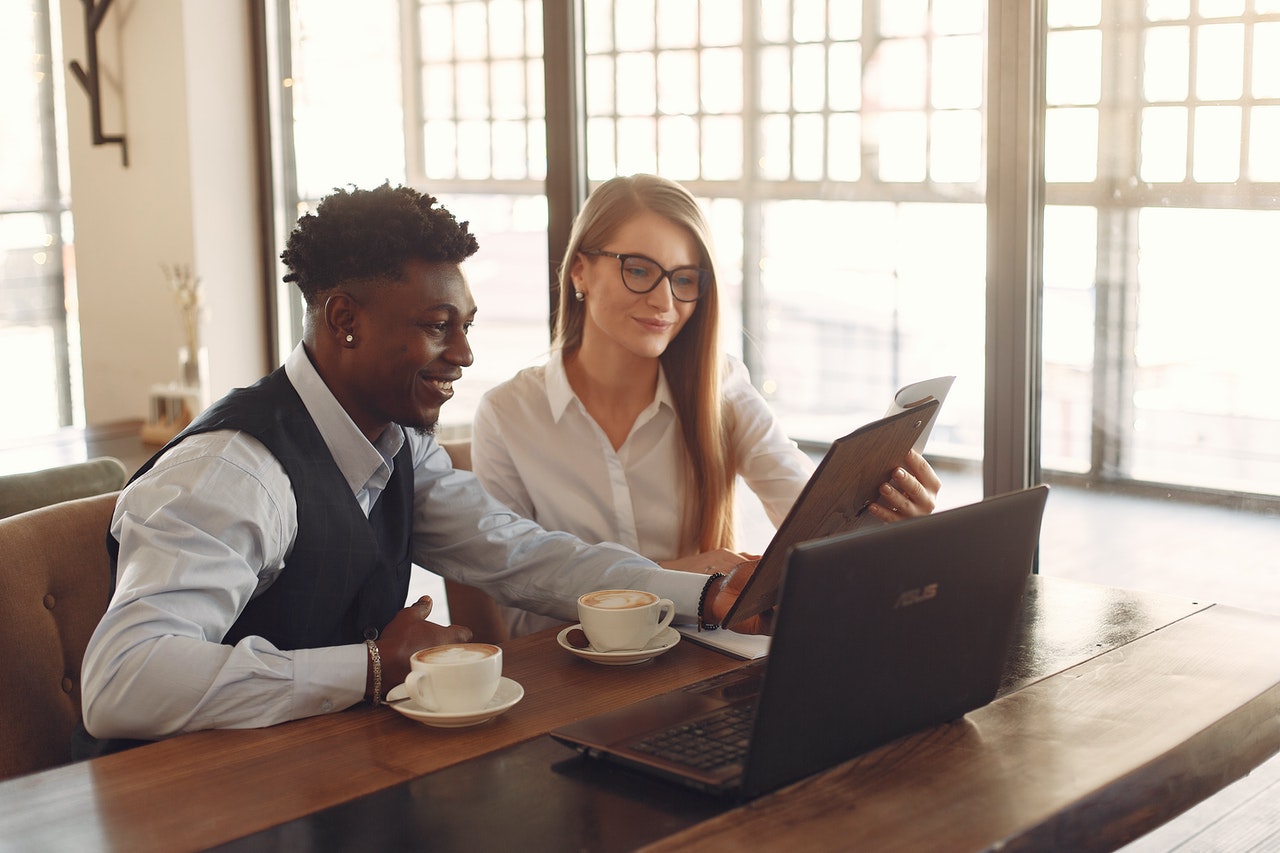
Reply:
x=709, y=743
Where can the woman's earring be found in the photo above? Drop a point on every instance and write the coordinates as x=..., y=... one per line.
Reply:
x=351, y=338
x=579, y=295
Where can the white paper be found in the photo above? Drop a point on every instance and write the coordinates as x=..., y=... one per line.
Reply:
x=921, y=392
x=742, y=646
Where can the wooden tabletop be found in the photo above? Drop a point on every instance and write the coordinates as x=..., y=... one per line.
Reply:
x=1120, y=711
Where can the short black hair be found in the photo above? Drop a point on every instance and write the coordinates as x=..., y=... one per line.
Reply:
x=364, y=235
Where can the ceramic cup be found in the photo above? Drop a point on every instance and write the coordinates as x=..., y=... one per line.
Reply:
x=454, y=678
x=623, y=619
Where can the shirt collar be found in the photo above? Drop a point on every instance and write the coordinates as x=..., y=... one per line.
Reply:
x=362, y=464
x=560, y=392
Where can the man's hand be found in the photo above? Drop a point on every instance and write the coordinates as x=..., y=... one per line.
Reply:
x=910, y=492
x=725, y=592
x=407, y=632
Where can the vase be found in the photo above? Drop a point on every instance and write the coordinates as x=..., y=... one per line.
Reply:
x=193, y=372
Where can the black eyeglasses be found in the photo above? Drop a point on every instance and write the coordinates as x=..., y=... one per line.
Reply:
x=641, y=275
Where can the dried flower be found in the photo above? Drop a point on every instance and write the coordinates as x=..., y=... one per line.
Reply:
x=186, y=289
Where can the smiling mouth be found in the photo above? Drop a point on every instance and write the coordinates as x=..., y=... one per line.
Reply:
x=444, y=386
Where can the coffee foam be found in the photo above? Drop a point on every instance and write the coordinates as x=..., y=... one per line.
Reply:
x=455, y=654
x=618, y=599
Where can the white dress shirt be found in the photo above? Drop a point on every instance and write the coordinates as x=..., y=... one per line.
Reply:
x=536, y=449
x=211, y=526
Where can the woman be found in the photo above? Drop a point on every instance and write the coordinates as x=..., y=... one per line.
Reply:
x=636, y=428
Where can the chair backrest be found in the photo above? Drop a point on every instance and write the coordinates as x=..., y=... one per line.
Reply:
x=54, y=584
x=467, y=605
x=32, y=489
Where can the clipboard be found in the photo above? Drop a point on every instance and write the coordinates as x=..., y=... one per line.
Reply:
x=835, y=499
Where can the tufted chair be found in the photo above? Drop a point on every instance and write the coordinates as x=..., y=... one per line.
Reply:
x=54, y=581
x=32, y=489
x=467, y=605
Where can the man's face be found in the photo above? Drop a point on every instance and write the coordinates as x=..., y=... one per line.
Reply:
x=411, y=348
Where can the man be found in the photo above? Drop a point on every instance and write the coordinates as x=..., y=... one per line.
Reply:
x=263, y=557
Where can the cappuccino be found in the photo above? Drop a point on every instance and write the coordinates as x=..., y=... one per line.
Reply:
x=623, y=619
x=459, y=653
x=618, y=599
x=456, y=678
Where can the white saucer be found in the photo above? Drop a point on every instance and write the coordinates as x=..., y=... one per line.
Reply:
x=509, y=693
x=665, y=640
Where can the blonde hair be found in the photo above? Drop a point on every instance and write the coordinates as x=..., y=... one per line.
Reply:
x=692, y=361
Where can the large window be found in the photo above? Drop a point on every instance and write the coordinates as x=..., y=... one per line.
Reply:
x=841, y=151
x=37, y=270
x=446, y=97
x=838, y=148
x=1162, y=162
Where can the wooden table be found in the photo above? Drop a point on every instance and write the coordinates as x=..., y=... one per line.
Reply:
x=1119, y=711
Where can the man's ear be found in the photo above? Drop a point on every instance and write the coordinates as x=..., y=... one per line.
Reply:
x=341, y=319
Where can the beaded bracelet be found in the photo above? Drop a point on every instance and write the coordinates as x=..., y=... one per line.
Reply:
x=377, y=671
x=704, y=625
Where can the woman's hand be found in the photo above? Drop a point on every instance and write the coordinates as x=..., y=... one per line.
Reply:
x=911, y=491
x=708, y=563
x=724, y=592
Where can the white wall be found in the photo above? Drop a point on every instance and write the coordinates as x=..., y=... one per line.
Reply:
x=177, y=83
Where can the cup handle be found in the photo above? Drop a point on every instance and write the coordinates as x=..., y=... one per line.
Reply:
x=423, y=694
x=670, y=613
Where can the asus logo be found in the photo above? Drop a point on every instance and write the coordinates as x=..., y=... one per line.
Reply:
x=915, y=596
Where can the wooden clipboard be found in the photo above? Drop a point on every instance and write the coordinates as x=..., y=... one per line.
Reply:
x=835, y=499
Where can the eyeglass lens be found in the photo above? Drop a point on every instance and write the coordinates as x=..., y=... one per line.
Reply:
x=641, y=275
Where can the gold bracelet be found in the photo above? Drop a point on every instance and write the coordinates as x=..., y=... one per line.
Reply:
x=377, y=671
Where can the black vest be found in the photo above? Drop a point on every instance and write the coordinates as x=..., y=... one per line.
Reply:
x=347, y=575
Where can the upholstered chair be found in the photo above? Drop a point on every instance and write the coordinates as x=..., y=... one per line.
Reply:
x=54, y=582
x=32, y=489
x=467, y=605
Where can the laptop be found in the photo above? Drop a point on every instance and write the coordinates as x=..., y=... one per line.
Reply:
x=835, y=499
x=878, y=634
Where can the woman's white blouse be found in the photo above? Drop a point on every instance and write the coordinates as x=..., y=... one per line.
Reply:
x=535, y=448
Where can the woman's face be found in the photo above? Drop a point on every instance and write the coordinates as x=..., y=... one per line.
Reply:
x=638, y=324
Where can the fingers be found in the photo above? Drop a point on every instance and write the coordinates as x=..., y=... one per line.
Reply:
x=911, y=491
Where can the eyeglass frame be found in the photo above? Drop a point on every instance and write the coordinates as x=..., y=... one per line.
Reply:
x=704, y=275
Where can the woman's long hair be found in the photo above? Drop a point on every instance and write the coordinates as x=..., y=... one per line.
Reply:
x=692, y=361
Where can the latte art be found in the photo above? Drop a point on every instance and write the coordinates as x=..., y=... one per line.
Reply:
x=462, y=653
x=618, y=599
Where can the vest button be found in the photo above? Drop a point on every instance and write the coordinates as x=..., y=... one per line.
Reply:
x=371, y=633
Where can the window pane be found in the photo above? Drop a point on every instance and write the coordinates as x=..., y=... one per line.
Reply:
x=901, y=146
x=346, y=98
x=1166, y=64
x=1200, y=416
x=1264, y=144
x=1070, y=262
x=957, y=77
x=1164, y=144
x=955, y=148
x=1266, y=60
x=1074, y=74
x=1219, y=74
x=1071, y=145
x=809, y=146
x=1217, y=144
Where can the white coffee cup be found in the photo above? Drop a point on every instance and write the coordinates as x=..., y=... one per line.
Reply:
x=623, y=619
x=454, y=678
